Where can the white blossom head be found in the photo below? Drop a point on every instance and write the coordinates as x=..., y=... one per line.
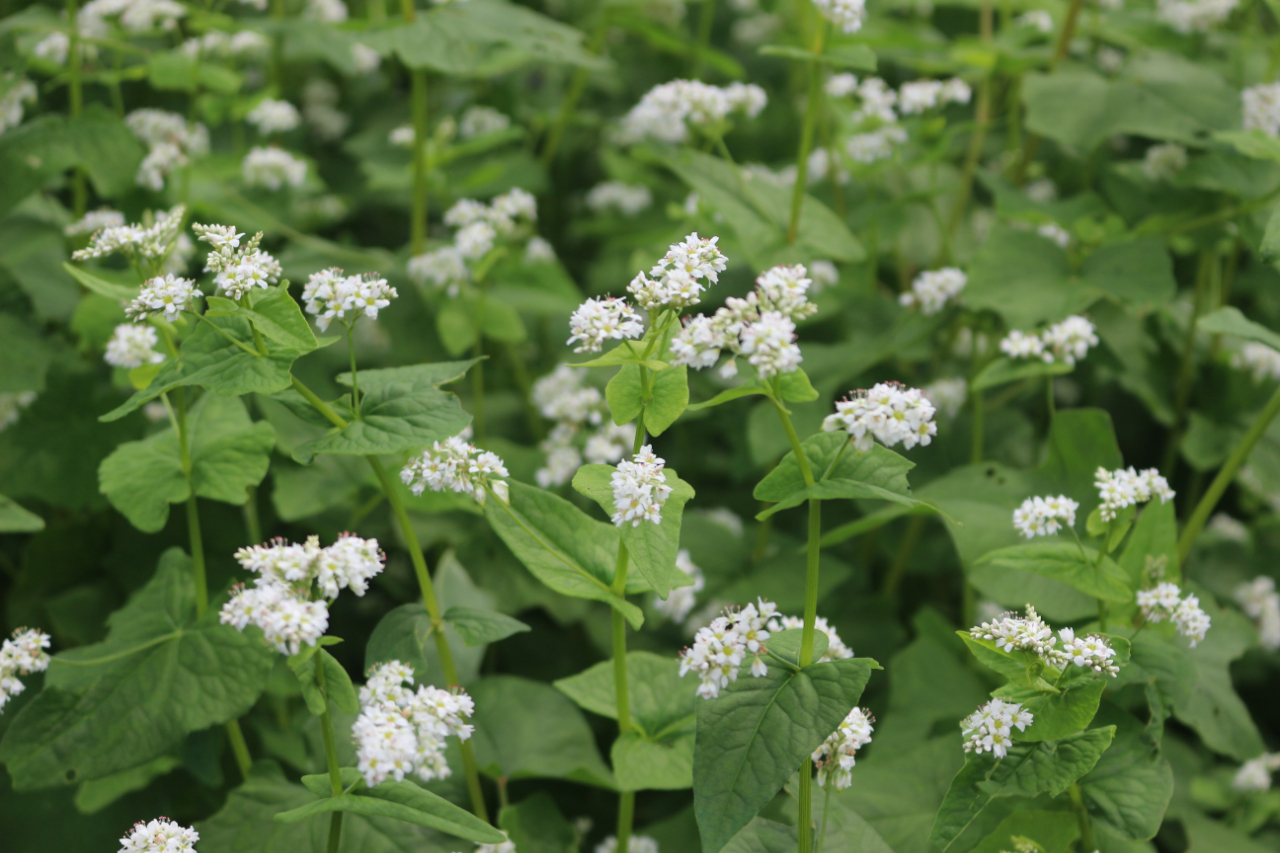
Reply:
x=666, y=112
x=459, y=466
x=626, y=199
x=721, y=649
x=146, y=242
x=166, y=295
x=598, y=320
x=1261, y=603
x=1125, y=487
x=932, y=290
x=330, y=295
x=159, y=836
x=1255, y=774
x=1045, y=516
x=132, y=346
x=1165, y=601
x=1260, y=360
x=272, y=116
x=990, y=728
x=836, y=757
x=23, y=654
x=273, y=168
x=848, y=15
x=1067, y=342
x=639, y=489
x=890, y=412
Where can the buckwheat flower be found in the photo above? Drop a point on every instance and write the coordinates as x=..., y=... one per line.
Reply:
x=326, y=11
x=626, y=199
x=1192, y=16
x=923, y=95
x=320, y=110
x=876, y=145
x=947, y=395
x=1029, y=633
x=639, y=489
x=11, y=406
x=513, y=205
x=52, y=48
x=1092, y=652
x=1071, y=339
x=932, y=290
x=272, y=116
x=475, y=240
x=682, y=599
x=836, y=648
x=889, y=412
x=171, y=140
x=878, y=101
x=1261, y=603
x=21, y=655
x=458, y=466
x=1044, y=516
x=272, y=168
x=152, y=242
x=837, y=756
x=365, y=58
x=330, y=295
x=1021, y=345
x=1259, y=359
x=636, y=844
x=1164, y=161
x=1126, y=487
x=349, y=563
x=19, y=92
x=444, y=268
x=562, y=462
x=610, y=443
x=720, y=649
x=824, y=274
x=561, y=396
x=95, y=220
x=159, y=836
x=1262, y=108
x=1036, y=19
x=1164, y=602
x=287, y=620
x=539, y=251
x=769, y=344
x=598, y=320
x=481, y=121
x=1255, y=774
x=841, y=85
x=167, y=295
x=666, y=112
x=402, y=136
x=848, y=15
x=989, y=729
x=132, y=346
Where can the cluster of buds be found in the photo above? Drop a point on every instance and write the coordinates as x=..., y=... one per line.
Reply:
x=1045, y=516
x=1032, y=634
x=330, y=295
x=890, y=412
x=838, y=754
x=239, y=268
x=459, y=466
x=1125, y=487
x=639, y=489
x=137, y=242
x=990, y=728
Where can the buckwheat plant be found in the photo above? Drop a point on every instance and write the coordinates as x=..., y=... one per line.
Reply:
x=23, y=654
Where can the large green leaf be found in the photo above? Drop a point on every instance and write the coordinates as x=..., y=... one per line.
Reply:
x=898, y=793
x=652, y=547
x=536, y=825
x=1131, y=785
x=338, y=688
x=643, y=764
x=528, y=730
x=1029, y=769
x=661, y=701
x=1155, y=535
x=25, y=355
x=756, y=734
x=229, y=453
x=841, y=473
x=274, y=313
x=562, y=547
x=1065, y=560
x=160, y=674
x=15, y=519
x=670, y=397
x=479, y=627
x=1214, y=709
x=1229, y=321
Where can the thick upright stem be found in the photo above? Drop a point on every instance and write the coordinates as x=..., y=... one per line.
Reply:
x=811, y=108
x=626, y=799
x=330, y=757
x=1088, y=842
x=704, y=38
x=193, y=511
x=418, y=217
x=252, y=519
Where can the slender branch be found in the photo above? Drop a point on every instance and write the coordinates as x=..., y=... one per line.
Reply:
x=1186, y=370
x=811, y=108
x=252, y=520
x=1032, y=142
x=330, y=757
x=626, y=799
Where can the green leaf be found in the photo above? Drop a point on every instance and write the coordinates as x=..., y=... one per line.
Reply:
x=25, y=355
x=1002, y=371
x=623, y=353
x=1023, y=277
x=274, y=313
x=1251, y=143
x=1057, y=715
x=898, y=793
x=1053, y=831
x=1172, y=669
x=96, y=794
x=857, y=56
x=652, y=547
x=661, y=701
x=106, y=148
x=341, y=692
x=401, y=412
x=641, y=764
x=1131, y=785
x=1022, y=667
x=756, y=734
x=1029, y=769
x=528, y=730
x=879, y=473
x=229, y=453
x=625, y=394
x=1229, y=321
x=1063, y=560
x=562, y=547
x=796, y=387
x=1155, y=535
x=436, y=374
x=162, y=674
x=746, y=389
x=480, y=627
x=670, y=397
x=786, y=644
x=15, y=519
x=457, y=328
x=536, y=825
x=118, y=292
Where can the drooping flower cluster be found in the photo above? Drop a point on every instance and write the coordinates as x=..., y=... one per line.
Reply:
x=239, y=268
x=838, y=753
x=1194, y=16
x=677, y=278
x=627, y=199
x=1164, y=601
x=598, y=320
x=165, y=294
x=1259, y=359
x=889, y=412
x=682, y=599
x=923, y=95
x=848, y=15
x=666, y=112
x=331, y=295
x=990, y=728
x=172, y=142
x=720, y=649
x=272, y=168
x=159, y=836
x=280, y=601
x=932, y=290
x=272, y=116
x=1067, y=342
x=836, y=649
x=1261, y=603
x=480, y=227
x=459, y=466
x=401, y=731
x=1045, y=516
x=760, y=327
x=1125, y=487
x=636, y=844
x=1030, y=633
x=639, y=489
x=132, y=346
x=137, y=242
x=22, y=655
x=947, y=395
x=581, y=428
x=1255, y=774
x=1262, y=108
x=1162, y=162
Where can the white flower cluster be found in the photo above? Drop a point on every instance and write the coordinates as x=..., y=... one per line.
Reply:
x=479, y=226
x=666, y=112
x=459, y=466
x=1261, y=603
x=990, y=728
x=272, y=168
x=890, y=412
x=1068, y=342
x=481, y=121
x=273, y=116
x=1031, y=633
x=95, y=220
x=239, y=268
x=171, y=143
x=132, y=346
x=875, y=145
x=326, y=11
x=932, y=290
x=320, y=109
x=507, y=846
x=760, y=326
x=280, y=601
x=1162, y=162
x=848, y=15
x=720, y=649
x=401, y=731
x=1262, y=108
x=245, y=44
x=838, y=753
x=1255, y=774
x=677, y=277
x=1045, y=516
x=11, y=101
x=923, y=95
x=329, y=294
x=878, y=101
x=11, y=406
x=152, y=243
x=682, y=599
x=1194, y=16
x=1259, y=359
x=165, y=294
x=1037, y=19
x=1164, y=602
x=581, y=427
x=836, y=649
x=639, y=489
x=1125, y=487
x=22, y=655
x=627, y=199
x=159, y=836
x=947, y=395
x=636, y=844
x=1092, y=652
x=598, y=320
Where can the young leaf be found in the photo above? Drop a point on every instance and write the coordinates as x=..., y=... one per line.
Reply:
x=342, y=693
x=479, y=627
x=1063, y=560
x=661, y=701
x=642, y=764
x=1022, y=667
x=786, y=644
x=1002, y=371
x=97, y=284
x=16, y=519
x=435, y=374
x=670, y=397
x=536, y=824
x=625, y=394
x=879, y=473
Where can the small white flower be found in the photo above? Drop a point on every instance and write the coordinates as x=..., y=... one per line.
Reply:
x=95, y=220
x=636, y=844
x=159, y=836
x=666, y=112
x=639, y=489
x=11, y=406
x=1255, y=774
x=273, y=168
x=1261, y=603
x=1125, y=487
x=1045, y=516
x=989, y=728
x=272, y=116
x=622, y=197
x=848, y=15
x=1164, y=161
x=1036, y=19
x=838, y=754
x=458, y=466
x=1259, y=359
x=889, y=412
x=167, y=295
x=1196, y=16
x=330, y=295
x=1055, y=232
x=598, y=320
x=932, y=290
x=133, y=346
x=720, y=649
x=947, y=395
x=21, y=655
x=1164, y=602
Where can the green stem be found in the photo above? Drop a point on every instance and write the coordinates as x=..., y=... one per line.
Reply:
x=1225, y=475
x=504, y=799
x=193, y=511
x=1088, y=842
x=331, y=759
x=826, y=809
x=577, y=86
x=521, y=374
x=805, y=817
x=239, y=748
x=1186, y=370
x=626, y=799
x=355, y=383
x=806, y=133
x=699, y=48
x=893, y=580
x=418, y=94
x=477, y=371
x=252, y=521
x=1032, y=143
x=976, y=447
x=79, y=189
x=982, y=123
x=626, y=816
